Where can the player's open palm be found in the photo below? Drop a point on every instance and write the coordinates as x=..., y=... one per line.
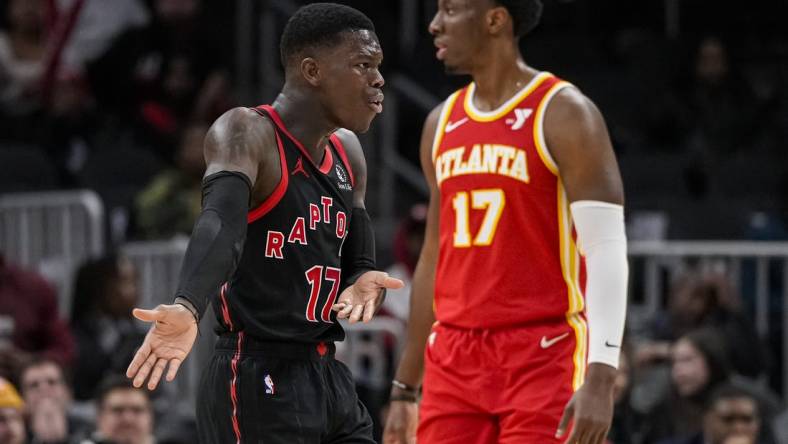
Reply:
x=361, y=300
x=168, y=341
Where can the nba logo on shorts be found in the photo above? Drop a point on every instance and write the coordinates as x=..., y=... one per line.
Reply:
x=269, y=385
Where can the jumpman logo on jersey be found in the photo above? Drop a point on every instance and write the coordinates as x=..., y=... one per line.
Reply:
x=299, y=168
x=521, y=115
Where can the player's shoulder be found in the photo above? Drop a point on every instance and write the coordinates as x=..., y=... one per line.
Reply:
x=243, y=119
x=431, y=122
x=570, y=105
x=352, y=147
x=434, y=115
x=349, y=139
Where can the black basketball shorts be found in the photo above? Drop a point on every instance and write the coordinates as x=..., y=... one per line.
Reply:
x=271, y=393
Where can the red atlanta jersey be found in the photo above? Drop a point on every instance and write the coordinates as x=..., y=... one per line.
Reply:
x=507, y=246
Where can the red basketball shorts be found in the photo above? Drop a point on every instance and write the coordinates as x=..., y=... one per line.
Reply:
x=499, y=386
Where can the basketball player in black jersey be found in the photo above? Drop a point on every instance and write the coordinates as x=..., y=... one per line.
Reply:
x=283, y=248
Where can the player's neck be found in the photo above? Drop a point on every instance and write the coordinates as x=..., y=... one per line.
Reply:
x=304, y=119
x=499, y=78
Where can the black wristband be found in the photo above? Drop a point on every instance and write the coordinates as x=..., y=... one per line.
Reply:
x=403, y=397
x=189, y=306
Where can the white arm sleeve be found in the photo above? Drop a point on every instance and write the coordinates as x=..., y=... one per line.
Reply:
x=603, y=242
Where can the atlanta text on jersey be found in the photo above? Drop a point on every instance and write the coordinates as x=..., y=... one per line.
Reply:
x=483, y=159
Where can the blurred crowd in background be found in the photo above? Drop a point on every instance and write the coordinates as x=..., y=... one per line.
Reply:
x=117, y=95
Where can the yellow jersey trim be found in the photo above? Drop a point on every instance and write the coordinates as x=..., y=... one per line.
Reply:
x=448, y=105
x=508, y=106
x=570, y=269
x=539, y=139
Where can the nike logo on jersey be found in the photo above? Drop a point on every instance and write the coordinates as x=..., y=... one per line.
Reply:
x=607, y=344
x=520, y=116
x=451, y=126
x=299, y=168
x=547, y=343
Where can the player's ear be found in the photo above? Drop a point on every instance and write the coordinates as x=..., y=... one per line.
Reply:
x=497, y=20
x=311, y=71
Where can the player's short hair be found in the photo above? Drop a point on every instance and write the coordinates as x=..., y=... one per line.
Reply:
x=320, y=24
x=525, y=14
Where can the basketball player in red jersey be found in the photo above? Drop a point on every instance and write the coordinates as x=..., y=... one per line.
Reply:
x=525, y=251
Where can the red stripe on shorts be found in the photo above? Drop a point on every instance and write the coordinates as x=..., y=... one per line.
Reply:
x=234, y=388
x=225, y=307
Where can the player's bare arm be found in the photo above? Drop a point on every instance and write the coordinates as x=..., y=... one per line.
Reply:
x=240, y=150
x=361, y=300
x=578, y=140
x=402, y=420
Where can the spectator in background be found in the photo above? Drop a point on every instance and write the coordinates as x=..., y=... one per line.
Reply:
x=105, y=292
x=22, y=48
x=164, y=75
x=699, y=367
x=706, y=299
x=406, y=245
x=124, y=414
x=98, y=23
x=711, y=110
x=12, y=423
x=48, y=400
x=29, y=321
x=170, y=204
x=731, y=417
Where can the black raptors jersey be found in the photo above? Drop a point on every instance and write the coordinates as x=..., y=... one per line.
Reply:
x=289, y=273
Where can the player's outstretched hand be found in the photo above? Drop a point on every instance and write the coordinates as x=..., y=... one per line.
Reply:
x=168, y=341
x=591, y=408
x=361, y=300
x=401, y=423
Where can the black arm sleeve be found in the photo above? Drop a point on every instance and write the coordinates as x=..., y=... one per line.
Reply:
x=358, y=251
x=217, y=239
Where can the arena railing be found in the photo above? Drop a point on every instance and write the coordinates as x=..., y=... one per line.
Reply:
x=52, y=232
x=757, y=270
x=158, y=264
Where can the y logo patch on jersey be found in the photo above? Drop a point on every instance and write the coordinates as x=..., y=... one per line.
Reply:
x=520, y=116
x=269, y=385
x=451, y=126
x=299, y=168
